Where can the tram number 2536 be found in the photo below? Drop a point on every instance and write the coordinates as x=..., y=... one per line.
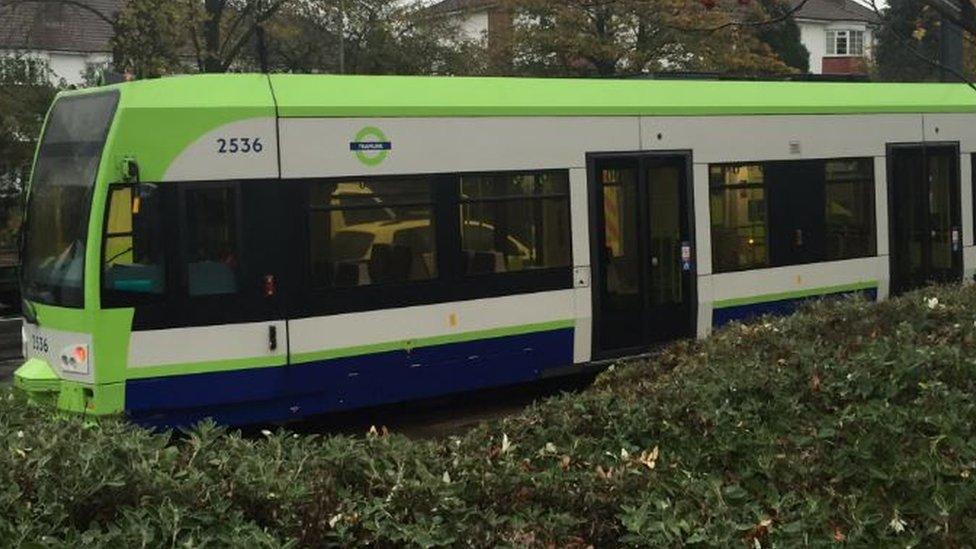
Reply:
x=39, y=343
x=239, y=145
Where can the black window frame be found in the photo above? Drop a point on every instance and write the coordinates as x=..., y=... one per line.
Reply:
x=451, y=282
x=176, y=308
x=309, y=210
x=768, y=187
x=725, y=188
x=182, y=280
x=536, y=199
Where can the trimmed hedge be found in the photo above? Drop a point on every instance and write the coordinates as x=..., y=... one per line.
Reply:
x=847, y=422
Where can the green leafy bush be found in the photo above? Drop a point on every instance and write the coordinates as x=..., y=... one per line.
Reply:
x=847, y=422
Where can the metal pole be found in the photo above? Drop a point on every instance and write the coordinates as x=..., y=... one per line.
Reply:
x=950, y=49
x=342, y=36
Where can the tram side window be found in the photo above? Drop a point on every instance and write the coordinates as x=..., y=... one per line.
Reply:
x=212, y=240
x=133, y=256
x=850, y=214
x=782, y=213
x=366, y=233
x=738, y=207
x=514, y=222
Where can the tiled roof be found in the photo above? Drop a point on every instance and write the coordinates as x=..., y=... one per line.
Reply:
x=453, y=6
x=828, y=10
x=57, y=26
x=835, y=10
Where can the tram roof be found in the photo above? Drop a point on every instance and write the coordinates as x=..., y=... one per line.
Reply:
x=418, y=96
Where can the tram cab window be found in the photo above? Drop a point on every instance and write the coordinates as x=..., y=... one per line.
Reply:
x=133, y=256
x=514, y=222
x=365, y=233
x=212, y=241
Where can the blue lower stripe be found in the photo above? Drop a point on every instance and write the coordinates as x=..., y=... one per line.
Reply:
x=721, y=317
x=292, y=392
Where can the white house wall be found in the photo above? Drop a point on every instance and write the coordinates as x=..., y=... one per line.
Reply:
x=69, y=67
x=474, y=25
x=813, y=35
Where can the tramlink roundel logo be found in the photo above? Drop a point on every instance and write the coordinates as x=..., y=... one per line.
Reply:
x=371, y=146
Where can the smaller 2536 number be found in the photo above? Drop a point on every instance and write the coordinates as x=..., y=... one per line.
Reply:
x=39, y=343
x=239, y=145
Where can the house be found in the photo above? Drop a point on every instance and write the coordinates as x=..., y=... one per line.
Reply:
x=69, y=38
x=837, y=33
x=479, y=19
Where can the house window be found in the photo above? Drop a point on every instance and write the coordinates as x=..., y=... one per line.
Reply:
x=845, y=42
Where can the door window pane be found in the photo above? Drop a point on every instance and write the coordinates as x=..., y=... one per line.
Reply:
x=367, y=233
x=212, y=241
x=941, y=174
x=664, y=192
x=133, y=257
x=513, y=223
x=620, y=232
x=850, y=215
x=738, y=210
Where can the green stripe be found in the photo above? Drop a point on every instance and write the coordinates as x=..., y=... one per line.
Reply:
x=405, y=96
x=826, y=290
x=431, y=341
x=206, y=367
x=277, y=361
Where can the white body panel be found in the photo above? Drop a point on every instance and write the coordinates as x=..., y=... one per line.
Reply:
x=47, y=344
x=181, y=346
x=410, y=324
x=204, y=161
x=745, y=138
x=320, y=147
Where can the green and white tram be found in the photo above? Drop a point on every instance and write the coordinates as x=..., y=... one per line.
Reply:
x=255, y=248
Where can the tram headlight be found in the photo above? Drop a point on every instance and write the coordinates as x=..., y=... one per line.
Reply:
x=76, y=359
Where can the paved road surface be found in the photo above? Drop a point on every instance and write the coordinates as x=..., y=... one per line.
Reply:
x=10, y=357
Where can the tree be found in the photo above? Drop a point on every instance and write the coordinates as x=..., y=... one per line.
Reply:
x=961, y=13
x=904, y=36
x=215, y=32
x=222, y=29
x=782, y=34
x=597, y=37
x=26, y=93
x=151, y=38
x=367, y=37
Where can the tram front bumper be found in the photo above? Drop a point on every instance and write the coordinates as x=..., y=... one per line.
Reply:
x=41, y=384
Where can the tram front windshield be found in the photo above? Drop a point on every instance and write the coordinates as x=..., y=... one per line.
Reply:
x=60, y=196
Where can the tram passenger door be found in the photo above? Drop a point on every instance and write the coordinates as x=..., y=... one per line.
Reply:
x=925, y=216
x=642, y=252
